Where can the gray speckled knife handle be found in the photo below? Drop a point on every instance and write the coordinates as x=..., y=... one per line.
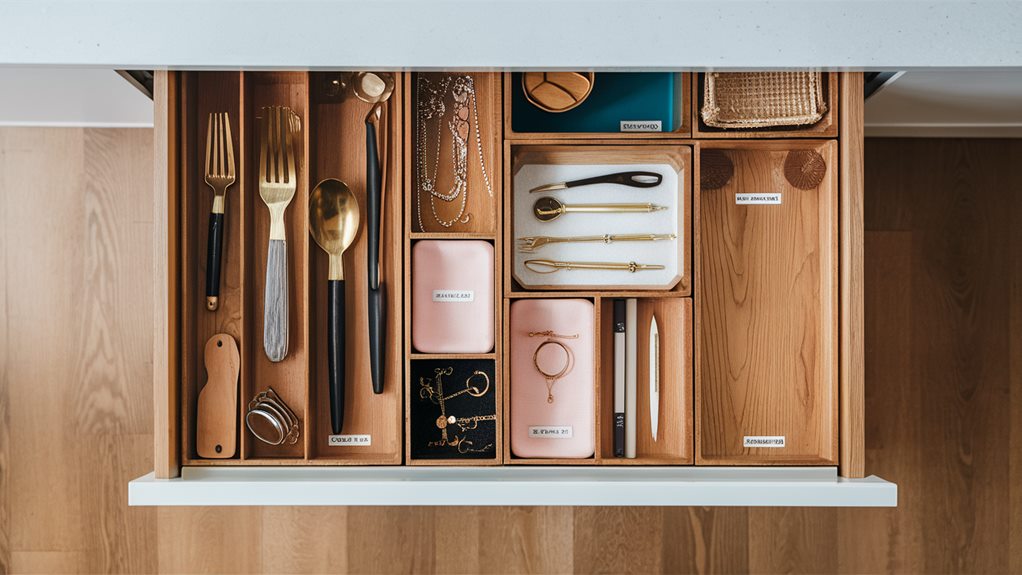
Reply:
x=275, y=306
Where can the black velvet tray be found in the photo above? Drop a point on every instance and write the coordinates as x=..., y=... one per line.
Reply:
x=461, y=381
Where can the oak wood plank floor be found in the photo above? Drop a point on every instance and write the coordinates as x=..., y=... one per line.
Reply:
x=943, y=391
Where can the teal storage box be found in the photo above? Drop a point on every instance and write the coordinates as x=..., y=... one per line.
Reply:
x=639, y=98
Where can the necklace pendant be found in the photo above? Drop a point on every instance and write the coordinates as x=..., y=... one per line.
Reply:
x=550, y=398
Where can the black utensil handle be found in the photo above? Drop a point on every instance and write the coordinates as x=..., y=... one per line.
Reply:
x=377, y=332
x=335, y=352
x=373, y=197
x=633, y=179
x=214, y=248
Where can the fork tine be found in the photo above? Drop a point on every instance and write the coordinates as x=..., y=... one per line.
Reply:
x=275, y=144
x=218, y=146
x=230, y=146
x=209, y=143
x=289, y=150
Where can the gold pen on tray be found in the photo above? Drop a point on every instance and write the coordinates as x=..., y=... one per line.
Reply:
x=530, y=244
x=551, y=266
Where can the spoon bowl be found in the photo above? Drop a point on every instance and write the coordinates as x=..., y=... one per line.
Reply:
x=333, y=221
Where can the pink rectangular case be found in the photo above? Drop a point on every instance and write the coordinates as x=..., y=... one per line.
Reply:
x=563, y=427
x=452, y=296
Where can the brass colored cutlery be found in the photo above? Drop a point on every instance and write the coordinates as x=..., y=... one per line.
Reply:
x=277, y=185
x=220, y=175
x=547, y=208
x=531, y=244
x=551, y=266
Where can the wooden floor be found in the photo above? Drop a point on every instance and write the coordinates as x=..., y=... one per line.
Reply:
x=944, y=393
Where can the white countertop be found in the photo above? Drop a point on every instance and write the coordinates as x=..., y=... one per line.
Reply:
x=602, y=34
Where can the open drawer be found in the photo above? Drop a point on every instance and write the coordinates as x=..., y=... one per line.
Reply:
x=762, y=367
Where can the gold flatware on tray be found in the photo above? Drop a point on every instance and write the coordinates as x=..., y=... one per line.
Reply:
x=531, y=244
x=547, y=208
x=333, y=223
x=277, y=185
x=551, y=266
x=220, y=176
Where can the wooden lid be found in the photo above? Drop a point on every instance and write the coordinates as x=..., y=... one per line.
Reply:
x=557, y=91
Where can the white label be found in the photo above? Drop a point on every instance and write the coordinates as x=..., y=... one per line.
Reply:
x=642, y=126
x=758, y=199
x=356, y=440
x=764, y=441
x=550, y=431
x=453, y=295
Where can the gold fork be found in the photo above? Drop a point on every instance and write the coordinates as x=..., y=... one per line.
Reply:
x=277, y=184
x=220, y=176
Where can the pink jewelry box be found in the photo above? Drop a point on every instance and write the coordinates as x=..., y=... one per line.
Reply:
x=563, y=427
x=452, y=296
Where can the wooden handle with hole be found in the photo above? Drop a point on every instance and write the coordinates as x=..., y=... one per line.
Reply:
x=217, y=412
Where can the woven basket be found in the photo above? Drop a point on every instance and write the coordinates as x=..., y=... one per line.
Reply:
x=763, y=99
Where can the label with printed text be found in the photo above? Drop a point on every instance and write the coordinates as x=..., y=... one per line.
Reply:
x=453, y=295
x=764, y=441
x=550, y=431
x=770, y=199
x=351, y=440
x=642, y=126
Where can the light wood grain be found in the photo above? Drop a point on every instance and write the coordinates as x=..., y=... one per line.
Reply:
x=289, y=378
x=768, y=325
x=674, y=433
x=200, y=95
x=217, y=411
x=337, y=135
x=480, y=205
x=166, y=332
x=852, y=353
x=943, y=425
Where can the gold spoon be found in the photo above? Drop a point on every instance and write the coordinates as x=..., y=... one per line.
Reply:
x=334, y=223
x=548, y=208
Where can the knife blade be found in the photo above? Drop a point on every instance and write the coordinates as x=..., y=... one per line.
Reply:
x=654, y=376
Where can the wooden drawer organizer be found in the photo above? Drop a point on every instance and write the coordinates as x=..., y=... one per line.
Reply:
x=733, y=367
x=332, y=144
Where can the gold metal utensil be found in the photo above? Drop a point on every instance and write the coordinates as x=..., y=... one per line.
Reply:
x=547, y=208
x=334, y=224
x=531, y=244
x=220, y=175
x=277, y=184
x=551, y=266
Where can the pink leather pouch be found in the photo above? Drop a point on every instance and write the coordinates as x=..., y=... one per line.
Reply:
x=452, y=296
x=552, y=416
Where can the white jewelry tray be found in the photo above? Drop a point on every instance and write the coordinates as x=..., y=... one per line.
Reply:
x=532, y=172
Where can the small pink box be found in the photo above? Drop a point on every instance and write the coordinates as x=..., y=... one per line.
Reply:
x=452, y=296
x=563, y=427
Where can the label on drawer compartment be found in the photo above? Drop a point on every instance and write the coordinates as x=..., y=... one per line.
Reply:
x=642, y=126
x=351, y=440
x=550, y=431
x=768, y=199
x=764, y=441
x=453, y=295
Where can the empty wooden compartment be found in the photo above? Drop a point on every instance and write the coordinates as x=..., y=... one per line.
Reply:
x=767, y=303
